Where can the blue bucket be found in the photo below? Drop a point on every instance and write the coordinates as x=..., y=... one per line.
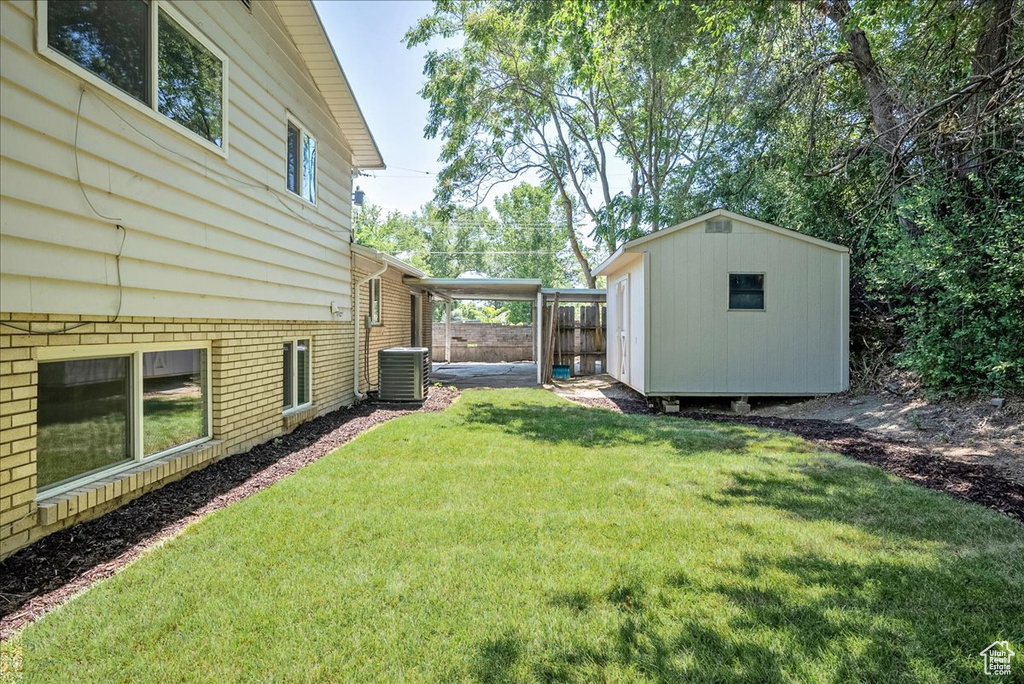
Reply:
x=560, y=372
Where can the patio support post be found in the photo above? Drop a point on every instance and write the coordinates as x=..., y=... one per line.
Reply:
x=538, y=345
x=448, y=331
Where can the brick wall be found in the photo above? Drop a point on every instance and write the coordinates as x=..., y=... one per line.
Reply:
x=485, y=342
x=246, y=403
x=395, y=329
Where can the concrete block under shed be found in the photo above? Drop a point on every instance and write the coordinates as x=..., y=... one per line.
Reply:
x=740, y=406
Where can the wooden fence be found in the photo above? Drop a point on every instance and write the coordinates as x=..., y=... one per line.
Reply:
x=578, y=343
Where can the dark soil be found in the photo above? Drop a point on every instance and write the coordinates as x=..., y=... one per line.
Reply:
x=58, y=566
x=975, y=482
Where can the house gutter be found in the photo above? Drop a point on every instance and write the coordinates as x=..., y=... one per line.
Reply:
x=356, y=290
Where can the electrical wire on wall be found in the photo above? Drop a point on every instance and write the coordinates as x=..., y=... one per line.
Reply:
x=117, y=224
x=220, y=174
x=366, y=360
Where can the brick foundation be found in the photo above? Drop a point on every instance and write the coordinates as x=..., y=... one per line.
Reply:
x=246, y=404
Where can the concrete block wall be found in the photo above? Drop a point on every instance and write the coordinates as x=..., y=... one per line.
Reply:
x=246, y=402
x=485, y=342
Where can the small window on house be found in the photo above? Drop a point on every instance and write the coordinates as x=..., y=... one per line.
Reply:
x=297, y=374
x=375, y=301
x=746, y=291
x=102, y=414
x=301, y=166
x=110, y=39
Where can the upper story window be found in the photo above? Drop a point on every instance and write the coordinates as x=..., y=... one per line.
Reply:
x=109, y=39
x=172, y=70
x=301, y=170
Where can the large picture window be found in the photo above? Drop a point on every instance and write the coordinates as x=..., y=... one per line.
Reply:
x=146, y=51
x=96, y=415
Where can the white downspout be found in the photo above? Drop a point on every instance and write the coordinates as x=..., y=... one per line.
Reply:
x=359, y=325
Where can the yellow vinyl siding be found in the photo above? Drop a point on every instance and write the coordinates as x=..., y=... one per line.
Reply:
x=197, y=243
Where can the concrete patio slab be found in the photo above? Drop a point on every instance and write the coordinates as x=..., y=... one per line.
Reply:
x=494, y=375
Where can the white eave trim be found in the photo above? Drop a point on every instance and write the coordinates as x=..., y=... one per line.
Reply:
x=715, y=214
x=299, y=18
x=392, y=262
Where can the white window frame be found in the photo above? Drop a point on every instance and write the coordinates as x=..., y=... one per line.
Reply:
x=376, y=314
x=152, y=55
x=294, y=379
x=299, y=180
x=135, y=419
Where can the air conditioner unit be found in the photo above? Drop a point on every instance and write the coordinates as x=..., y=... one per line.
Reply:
x=403, y=373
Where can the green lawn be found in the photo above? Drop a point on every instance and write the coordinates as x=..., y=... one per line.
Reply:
x=517, y=537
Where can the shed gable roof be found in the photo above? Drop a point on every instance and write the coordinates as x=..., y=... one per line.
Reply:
x=310, y=37
x=632, y=245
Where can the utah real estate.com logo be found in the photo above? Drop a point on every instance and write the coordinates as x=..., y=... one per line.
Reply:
x=997, y=658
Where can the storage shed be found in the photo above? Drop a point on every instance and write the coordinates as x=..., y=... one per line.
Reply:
x=726, y=305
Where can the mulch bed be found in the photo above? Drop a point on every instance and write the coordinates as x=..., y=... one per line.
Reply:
x=58, y=566
x=977, y=483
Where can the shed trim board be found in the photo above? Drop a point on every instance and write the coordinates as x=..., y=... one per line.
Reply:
x=697, y=220
x=687, y=341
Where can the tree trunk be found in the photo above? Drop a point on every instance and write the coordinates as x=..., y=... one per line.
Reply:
x=570, y=229
x=885, y=108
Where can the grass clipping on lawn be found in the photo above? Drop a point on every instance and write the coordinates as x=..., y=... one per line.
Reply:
x=518, y=537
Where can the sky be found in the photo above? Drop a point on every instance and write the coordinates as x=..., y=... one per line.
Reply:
x=386, y=78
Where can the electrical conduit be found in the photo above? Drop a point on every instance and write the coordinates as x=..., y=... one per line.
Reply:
x=358, y=320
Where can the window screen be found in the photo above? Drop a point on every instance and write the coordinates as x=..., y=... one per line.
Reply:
x=302, y=371
x=288, y=376
x=746, y=291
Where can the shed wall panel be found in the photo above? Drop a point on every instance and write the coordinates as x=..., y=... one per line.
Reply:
x=698, y=346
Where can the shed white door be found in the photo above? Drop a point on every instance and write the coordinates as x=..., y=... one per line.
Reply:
x=622, y=328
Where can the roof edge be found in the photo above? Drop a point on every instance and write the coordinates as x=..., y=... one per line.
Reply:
x=377, y=255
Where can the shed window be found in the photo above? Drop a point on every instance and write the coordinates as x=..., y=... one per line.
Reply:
x=746, y=291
